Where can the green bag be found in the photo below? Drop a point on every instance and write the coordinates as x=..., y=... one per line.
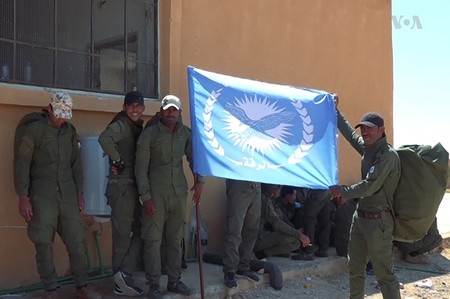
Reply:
x=422, y=185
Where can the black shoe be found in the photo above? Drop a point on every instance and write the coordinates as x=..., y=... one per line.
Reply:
x=248, y=274
x=260, y=254
x=342, y=251
x=321, y=253
x=180, y=288
x=154, y=292
x=283, y=255
x=303, y=257
x=124, y=285
x=369, y=269
x=230, y=280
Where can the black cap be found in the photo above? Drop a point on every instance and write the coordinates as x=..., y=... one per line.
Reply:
x=133, y=97
x=371, y=119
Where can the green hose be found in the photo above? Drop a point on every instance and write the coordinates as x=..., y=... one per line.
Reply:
x=66, y=280
x=421, y=270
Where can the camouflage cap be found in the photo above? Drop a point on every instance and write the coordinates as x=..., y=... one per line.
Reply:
x=171, y=101
x=61, y=105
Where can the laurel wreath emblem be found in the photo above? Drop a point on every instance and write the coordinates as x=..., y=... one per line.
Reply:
x=308, y=134
x=300, y=152
x=207, y=123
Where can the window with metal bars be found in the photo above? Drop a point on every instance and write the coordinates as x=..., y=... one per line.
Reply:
x=108, y=46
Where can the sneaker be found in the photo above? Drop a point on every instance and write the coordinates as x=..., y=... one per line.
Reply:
x=230, y=280
x=87, y=292
x=303, y=257
x=248, y=274
x=323, y=253
x=180, y=288
x=51, y=294
x=154, y=292
x=118, y=290
x=124, y=285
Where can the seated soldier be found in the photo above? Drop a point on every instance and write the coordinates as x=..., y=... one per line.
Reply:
x=341, y=218
x=316, y=221
x=276, y=236
x=291, y=208
x=414, y=252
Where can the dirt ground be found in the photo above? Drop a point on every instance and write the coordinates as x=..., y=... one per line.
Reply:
x=430, y=281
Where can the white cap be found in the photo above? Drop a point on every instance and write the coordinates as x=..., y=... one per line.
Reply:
x=170, y=101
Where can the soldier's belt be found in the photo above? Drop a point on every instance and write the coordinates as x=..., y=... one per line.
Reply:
x=122, y=181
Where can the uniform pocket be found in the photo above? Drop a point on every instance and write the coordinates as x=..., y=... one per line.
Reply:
x=112, y=193
x=162, y=149
x=26, y=146
x=40, y=233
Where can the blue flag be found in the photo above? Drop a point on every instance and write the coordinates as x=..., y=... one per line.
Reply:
x=255, y=131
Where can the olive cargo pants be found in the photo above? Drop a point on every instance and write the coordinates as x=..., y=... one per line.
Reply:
x=372, y=239
x=168, y=223
x=57, y=215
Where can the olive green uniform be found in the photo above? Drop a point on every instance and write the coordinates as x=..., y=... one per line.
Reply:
x=47, y=168
x=371, y=237
x=242, y=223
x=277, y=234
x=118, y=141
x=160, y=177
x=342, y=219
x=291, y=212
x=316, y=217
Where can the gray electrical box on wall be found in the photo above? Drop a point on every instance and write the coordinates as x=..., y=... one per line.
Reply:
x=95, y=177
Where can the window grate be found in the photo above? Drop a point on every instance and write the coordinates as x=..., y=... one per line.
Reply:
x=106, y=46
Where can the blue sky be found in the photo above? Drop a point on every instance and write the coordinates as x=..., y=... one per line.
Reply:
x=421, y=47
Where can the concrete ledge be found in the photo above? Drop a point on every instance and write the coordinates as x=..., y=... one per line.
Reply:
x=213, y=278
x=213, y=275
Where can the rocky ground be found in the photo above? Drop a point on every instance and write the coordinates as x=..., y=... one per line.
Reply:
x=419, y=281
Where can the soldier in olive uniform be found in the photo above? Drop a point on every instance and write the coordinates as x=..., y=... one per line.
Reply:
x=316, y=221
x=118, y=141
x=241, y=229
x=163, y=189
x=291, y=208
x=277, y=235
x=48, y=181
x=373, y=224
x=342, y=219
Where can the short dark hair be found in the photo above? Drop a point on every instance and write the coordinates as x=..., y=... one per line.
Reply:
x=287, y=190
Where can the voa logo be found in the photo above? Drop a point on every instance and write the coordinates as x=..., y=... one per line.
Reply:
x=404, y=22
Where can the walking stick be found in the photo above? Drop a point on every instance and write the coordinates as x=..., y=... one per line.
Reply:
x=199, y=249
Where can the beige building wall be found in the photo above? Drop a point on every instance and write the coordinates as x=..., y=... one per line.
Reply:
x=341, y=46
